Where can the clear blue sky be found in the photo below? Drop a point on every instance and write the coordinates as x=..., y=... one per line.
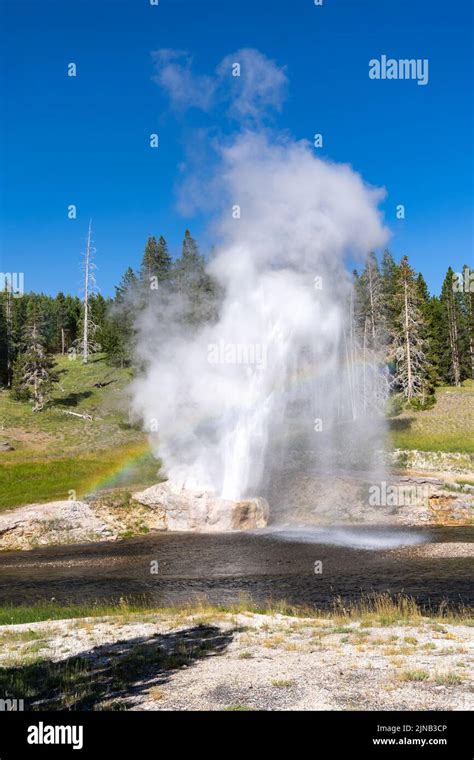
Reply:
x=84, y=140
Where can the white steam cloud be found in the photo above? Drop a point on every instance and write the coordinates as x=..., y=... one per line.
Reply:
x=230, y=399
x=252, y=90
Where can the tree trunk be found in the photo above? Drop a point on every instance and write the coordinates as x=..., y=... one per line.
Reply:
x=408, y=346
x=372, y=305
x=453, y=340
x=364, y=365
x=85, y=339
x=9, y=318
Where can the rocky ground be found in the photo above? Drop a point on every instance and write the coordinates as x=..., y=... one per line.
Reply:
x=181, y=509
x=439, y=500
x=108, y=519
x=242, y=661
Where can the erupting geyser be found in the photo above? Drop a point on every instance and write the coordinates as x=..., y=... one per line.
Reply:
x=274, y=377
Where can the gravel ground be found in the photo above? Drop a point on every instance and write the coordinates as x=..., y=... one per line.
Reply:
x=259, y=662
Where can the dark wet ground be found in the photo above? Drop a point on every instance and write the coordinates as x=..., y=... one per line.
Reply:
x=263, y=566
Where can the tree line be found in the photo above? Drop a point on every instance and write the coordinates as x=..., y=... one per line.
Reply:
x=34, y=326
x=422, y=340
x=414, y=341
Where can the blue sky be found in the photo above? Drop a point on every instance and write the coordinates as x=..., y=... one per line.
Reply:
x=85, y=140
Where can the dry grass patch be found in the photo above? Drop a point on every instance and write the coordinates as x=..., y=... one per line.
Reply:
x=156, y=693
x=414, y=675
x=292, y=647
x=449, y=679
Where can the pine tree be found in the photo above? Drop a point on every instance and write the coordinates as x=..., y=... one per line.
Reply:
x=429, y=308
x=114, y=343
x=66, y=318
x=409, y=344
x=371, y=285
x=164, y=261
x=7, y=343
x=16, y=335
x=155, y=268
x=200, y=294
x=72, y=324
x=66, y=322
x=389, y=283
x=126, y=289
x=117, y=333
x=4, y=363
x=33, y=375
x=60, y=322
x=149, y=265
x=189, y=268
x=98, y=307
x=454, y=331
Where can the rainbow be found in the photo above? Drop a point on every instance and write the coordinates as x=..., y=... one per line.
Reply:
x=118, y=468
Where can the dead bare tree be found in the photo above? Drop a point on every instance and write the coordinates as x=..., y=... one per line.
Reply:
x=86, y=344
x=368, y=339
x=87, y=281
x=408, y=342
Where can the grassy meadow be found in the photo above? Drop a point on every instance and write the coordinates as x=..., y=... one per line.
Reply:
x=56, y=453
x=447, y=427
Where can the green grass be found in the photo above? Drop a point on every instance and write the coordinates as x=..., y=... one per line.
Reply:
x=51, y=432
x=56, y=454
x=449, y=679
x=445, y=428
x=10, y=615
x=414, y=675
x=450, y=443
x=20, y=635
x=57, y=479
x=379, y=609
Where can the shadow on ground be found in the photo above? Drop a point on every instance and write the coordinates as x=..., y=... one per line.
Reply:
x=404, y=423
x=106, y=676
x=73, y=399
